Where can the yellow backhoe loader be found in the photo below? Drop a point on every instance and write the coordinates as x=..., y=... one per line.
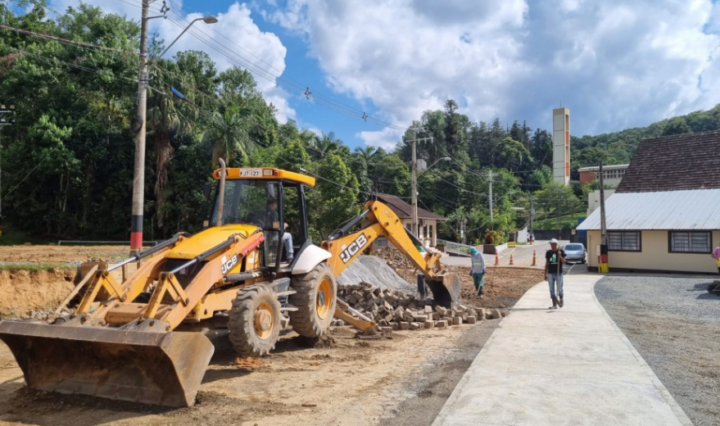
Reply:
x=138, y=340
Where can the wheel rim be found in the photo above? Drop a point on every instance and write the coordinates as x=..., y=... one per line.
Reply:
x=324, y=298
x=263, y=322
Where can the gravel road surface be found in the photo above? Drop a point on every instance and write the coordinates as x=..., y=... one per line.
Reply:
x=675, y=325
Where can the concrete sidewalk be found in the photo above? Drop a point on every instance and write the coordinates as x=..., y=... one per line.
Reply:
x=570, y=366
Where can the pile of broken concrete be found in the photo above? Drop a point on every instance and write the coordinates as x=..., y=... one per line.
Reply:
x=397, y=310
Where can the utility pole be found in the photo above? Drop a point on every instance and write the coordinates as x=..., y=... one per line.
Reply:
x=414, y=215
x=138, y=198
x=4, y=122
x=532, y=215
x=603, y=266
x=490, y=196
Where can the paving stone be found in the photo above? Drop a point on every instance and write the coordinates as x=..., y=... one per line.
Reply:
x=404, y=325
x=471, y=320
x=457, y=321
x=441, y=324
x=429, y=324
x=440, y=310
x=414, y=326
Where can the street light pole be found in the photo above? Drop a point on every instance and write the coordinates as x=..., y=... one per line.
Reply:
x=138, y=200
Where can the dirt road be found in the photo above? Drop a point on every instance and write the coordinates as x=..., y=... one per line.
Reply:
x=401, y=381
x=355, y=382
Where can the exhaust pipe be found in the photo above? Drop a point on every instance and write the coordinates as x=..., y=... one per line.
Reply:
x=221, y=193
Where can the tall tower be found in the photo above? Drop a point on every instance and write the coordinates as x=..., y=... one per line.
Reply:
x=561, y=145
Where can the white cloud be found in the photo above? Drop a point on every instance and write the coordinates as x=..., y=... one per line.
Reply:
x=613, y=63
x=387, y=138
x=235, y=40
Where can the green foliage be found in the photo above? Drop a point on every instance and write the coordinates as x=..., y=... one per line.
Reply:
x=334, y=199
x=68, y=161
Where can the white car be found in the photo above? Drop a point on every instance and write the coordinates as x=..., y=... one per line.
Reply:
x=575, y=253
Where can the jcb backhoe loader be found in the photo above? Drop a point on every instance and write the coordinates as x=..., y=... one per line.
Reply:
x=130, y=340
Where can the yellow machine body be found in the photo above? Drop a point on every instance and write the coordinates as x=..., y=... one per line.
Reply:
x=123, y=340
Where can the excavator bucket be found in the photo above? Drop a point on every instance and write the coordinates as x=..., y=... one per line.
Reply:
x=446, y=289
x=139, y=366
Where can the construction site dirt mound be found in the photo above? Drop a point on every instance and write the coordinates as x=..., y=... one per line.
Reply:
x=25, y=291
x=373, y=270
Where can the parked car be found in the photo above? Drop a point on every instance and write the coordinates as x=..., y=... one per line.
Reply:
x=575, y=253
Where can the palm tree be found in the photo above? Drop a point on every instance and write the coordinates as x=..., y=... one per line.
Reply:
x=324, y=145
x=164, y=118
x=228, y=134
x=367, y=154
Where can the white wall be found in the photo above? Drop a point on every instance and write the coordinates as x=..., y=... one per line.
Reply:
x=655, y=255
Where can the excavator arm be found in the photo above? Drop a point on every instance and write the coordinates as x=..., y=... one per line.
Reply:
x=379, y=220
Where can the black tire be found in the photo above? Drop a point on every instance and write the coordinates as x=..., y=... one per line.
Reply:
x=315, y=299
x=254, y=321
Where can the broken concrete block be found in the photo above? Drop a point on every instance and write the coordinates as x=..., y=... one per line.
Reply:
x=497, y=313
x=414, y=326
x=441, y=324
x=480, y=313
x=429, y=324
x=505, y=312
x=440, y=310
x=420, y=318
x=471, y=320
x=404, y=325
x=428, y=309
x=386, y=331
x=399, y=313
x=457, y=320
x=395, y=326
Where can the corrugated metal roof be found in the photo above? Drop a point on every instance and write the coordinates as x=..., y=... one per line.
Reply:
x=668, y=210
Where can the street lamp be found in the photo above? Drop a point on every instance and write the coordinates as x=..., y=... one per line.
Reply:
x=138, y=198
x=437, y=161
x=207, y=19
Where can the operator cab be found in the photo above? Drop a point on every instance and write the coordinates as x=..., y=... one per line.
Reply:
x=274, y=201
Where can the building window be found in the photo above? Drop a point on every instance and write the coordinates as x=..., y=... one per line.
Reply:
x=624, y=241
x=690, y=242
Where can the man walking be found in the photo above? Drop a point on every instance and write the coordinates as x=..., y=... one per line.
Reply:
x=554, y=259
x=716, y=256
x=478, y=271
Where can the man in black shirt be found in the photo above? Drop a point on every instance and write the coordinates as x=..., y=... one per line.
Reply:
x=554, y=259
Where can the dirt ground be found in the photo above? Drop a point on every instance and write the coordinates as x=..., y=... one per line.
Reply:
x=60, y=254
x=503, y=286
x=23, y=291
x=404, y=380
x=354, y=382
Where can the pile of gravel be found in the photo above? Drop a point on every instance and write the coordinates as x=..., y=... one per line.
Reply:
x=374, y=271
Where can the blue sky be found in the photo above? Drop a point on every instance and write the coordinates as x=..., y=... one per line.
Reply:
x=615, y=63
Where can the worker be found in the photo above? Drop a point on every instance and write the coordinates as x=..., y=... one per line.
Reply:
x=716, y=256
x=477, y=271
x=554, y=259
x=286, y=236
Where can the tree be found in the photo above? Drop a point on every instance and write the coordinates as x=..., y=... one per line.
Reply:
x=676, y=126
x=335, y=198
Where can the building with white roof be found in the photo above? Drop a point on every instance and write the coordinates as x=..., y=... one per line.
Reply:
x=665, y=213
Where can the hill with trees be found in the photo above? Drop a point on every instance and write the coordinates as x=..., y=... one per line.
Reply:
x=67, y=162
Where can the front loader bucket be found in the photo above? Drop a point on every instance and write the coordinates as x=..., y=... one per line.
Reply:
x=446, y=289
x=138, y=366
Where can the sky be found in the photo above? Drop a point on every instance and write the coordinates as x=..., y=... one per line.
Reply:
x=366, y=69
